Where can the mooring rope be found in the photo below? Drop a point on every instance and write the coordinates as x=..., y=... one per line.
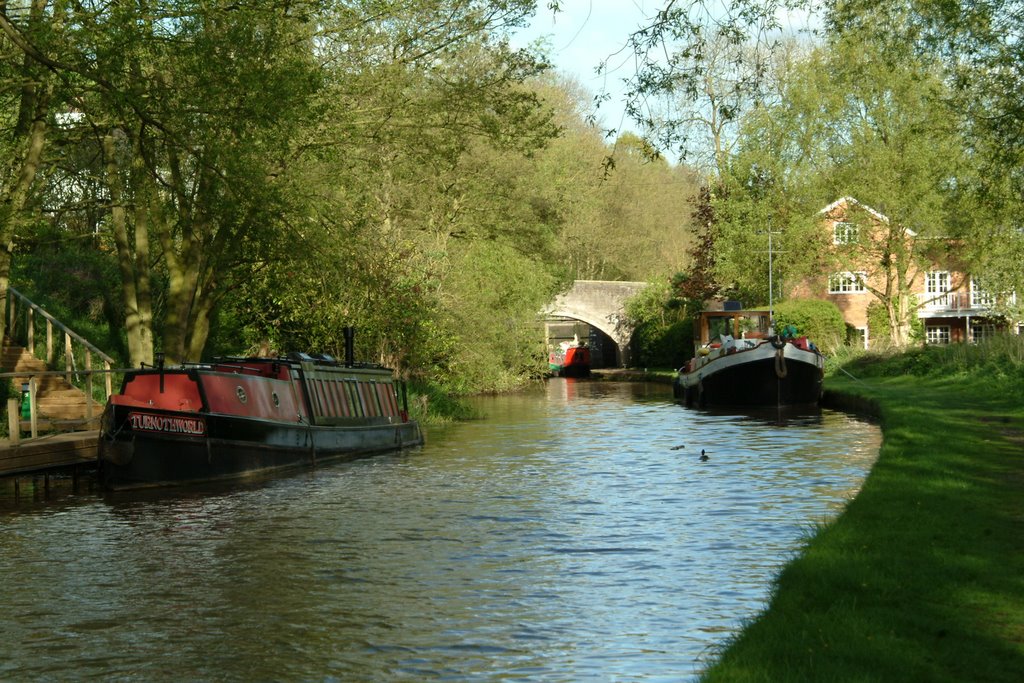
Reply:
x=780, y=363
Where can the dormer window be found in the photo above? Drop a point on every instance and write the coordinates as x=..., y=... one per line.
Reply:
x=844, y=233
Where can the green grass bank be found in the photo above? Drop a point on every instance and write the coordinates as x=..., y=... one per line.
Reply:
x=921, y=578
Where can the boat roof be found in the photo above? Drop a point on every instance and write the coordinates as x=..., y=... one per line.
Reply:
x=294, y=359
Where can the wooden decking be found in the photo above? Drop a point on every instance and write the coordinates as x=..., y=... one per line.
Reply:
x=48, y=453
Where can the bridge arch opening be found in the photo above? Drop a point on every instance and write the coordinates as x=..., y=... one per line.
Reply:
x=600, y=306
x=605, y=352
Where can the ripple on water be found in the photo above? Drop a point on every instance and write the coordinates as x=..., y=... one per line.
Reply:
x=571, y=535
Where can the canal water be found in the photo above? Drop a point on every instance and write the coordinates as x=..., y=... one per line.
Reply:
x=573, y=534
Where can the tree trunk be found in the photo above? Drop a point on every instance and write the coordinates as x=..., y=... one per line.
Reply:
x=181, y=291
x=33, y=112
x=898, y=326
x=199, y=330
x=145, y=210
x=137, y=320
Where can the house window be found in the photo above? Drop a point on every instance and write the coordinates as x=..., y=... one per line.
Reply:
x=858, y=337
x=847, y=283
x=982, y=332
x=937, y=334
x=936, y=289
x=844, y=233
x=980, y=298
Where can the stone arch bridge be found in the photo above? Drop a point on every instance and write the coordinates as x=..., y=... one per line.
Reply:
x=600, y=304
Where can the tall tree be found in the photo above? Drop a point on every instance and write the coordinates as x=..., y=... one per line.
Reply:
x=867, y=120
x=176, y=96
x=415, y=164
x=708, y=59
x=27, y=99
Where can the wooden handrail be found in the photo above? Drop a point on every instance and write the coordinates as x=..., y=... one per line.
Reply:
x=72, y=374
x=61, y=326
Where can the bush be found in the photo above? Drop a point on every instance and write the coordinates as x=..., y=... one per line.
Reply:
x=430, y=403
x=819, y=320
x=659, y=346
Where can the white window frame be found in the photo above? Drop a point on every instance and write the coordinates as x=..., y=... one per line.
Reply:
x=980, y=298
x=937, y=334
x=936, y=288
x=981, y=331
x=847, y=283
x=844, y=232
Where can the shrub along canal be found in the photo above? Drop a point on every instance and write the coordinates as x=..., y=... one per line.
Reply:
x=572, y=534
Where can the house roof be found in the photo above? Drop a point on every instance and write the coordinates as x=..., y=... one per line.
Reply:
x=853, y=200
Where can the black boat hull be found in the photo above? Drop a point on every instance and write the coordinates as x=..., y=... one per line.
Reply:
x=233, y=447
x=758, y=381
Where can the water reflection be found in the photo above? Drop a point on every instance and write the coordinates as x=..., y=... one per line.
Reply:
x=573, y=534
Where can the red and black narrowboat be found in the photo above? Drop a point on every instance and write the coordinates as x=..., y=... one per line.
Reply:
x=570, y=359
x=238, y=416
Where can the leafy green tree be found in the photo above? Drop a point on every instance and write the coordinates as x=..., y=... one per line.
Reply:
x=416, y=188
x=173, y=94
x=859, y=120
x=710, y=60
x=664, y=334
x=29, y=93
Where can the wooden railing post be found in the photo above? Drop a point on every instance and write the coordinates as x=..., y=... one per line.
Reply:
x=67, y=356
x=106, y=366
x=49, y=343
x=31, y=332
x=32, y=412
x=14, y=419
x=88, y=385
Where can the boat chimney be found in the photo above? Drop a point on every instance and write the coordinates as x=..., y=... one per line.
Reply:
x=350, y=334
x=160, y=365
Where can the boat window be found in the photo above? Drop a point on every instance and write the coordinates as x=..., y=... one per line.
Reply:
x=718, y=326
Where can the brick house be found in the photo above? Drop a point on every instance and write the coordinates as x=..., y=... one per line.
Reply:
x=950, y=304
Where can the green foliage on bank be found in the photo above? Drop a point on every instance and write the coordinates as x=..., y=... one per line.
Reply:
x=816, y=319
x=430, y=403
x=667, y=346
x=663, y=336
x=995, y=364
x=919, y=577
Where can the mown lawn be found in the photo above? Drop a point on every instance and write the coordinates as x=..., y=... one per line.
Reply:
x=922, y=577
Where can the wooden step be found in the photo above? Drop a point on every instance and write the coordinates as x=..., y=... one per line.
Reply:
x=57, y=401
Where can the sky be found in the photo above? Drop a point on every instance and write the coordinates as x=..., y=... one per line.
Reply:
x=582, y=34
